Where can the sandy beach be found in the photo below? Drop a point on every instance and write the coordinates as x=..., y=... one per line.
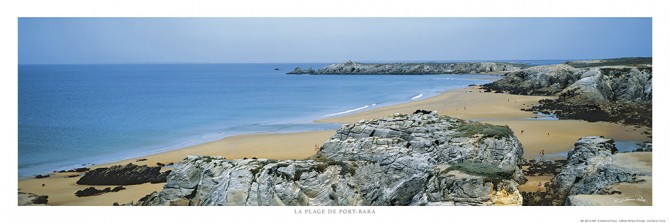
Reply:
x=552, y=136
x=60, y=188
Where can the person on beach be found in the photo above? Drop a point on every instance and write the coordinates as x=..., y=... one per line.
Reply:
x=316, y=147
x=542, y=154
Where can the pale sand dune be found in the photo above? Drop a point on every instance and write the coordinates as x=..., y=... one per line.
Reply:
x=467, y=103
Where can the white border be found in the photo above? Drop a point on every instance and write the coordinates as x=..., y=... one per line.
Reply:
x=9, y=11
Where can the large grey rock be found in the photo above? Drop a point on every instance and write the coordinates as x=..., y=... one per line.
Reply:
x=419, y=159
x=605, y=93
x=351, y=67
x=591, y=168
x=603, y=85
x=537, y=80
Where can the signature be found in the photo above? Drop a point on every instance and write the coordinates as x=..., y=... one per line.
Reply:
x=632, y=198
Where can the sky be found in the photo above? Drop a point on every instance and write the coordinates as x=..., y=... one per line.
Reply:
x=276, y=40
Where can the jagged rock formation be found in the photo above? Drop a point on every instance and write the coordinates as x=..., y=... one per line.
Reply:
x=419, y=159
x=123, y=175
x=538, y=80
x=592, y=168
x=351, y=67
x=611, y=93
x=92, y=191
x=30, y=199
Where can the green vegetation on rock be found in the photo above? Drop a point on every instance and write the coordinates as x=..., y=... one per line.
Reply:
x=468, y=129
x=482, y=169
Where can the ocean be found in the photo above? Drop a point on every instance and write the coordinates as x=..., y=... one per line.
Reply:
x=74, y=115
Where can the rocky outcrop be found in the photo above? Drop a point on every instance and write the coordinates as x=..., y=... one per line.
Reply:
x=92, y=191
x=542, y=167
x=538, y=80
x=610, y=93
x=351, y=67
x=592, y=168
x=30, y=199
x=123, y=175
x=644, y=147
x=40, y=176
x=419, y=159
x=627, y=61
x=75, y=170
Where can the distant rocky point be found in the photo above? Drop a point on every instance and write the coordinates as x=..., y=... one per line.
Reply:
x=625, y=61
x=351, y=67
x=418, y=159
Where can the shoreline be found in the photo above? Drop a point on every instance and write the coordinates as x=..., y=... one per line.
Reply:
x=553, y=136
x=310, y=123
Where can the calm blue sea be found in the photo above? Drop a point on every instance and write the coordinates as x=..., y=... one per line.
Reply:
x=71, y=115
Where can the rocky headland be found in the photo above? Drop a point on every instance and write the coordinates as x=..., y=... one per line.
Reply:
x=621, y=93
x=418, y=159
x=351, y=67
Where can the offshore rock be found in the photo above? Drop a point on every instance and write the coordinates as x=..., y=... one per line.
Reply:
x=418, y=159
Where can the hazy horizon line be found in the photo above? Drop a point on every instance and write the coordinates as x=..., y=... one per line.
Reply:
x=361, y=61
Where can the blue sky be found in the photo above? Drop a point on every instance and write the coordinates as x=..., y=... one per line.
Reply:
x=235, y=40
